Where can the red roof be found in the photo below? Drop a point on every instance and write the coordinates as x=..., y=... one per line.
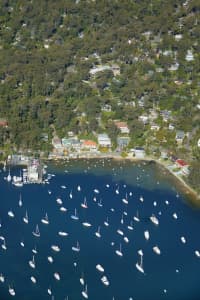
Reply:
x=181, y=162
x=89, y=143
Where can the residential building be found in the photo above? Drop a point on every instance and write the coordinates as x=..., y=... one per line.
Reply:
x=123, y=127
x=104, y=140
x=155, y=127
x=180, y=136
x=139, y=152
x=56, y=142
x=89, y=145
x=144, y=119
x=122, y=142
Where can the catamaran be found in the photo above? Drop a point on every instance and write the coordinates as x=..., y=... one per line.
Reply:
x=139, y=266
x=37, y=231
x=76, y=248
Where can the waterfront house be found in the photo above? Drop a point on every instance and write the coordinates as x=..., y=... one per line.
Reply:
x=139, y=152
x=122, y=126
x=56, y=142
x=89, y=145
x=104, y=140
x=122, y=142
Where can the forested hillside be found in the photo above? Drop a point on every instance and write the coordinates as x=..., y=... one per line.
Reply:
x=48, y=49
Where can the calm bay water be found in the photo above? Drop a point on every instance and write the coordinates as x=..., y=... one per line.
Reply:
x=171, y=275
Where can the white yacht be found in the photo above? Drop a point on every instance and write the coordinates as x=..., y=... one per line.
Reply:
x=75, y=216
x=33, y=279
x=197, y=253
x=50, y=259
x=62, y=233
x=55, y=248
x=130, y=227
x=59, y=201
x=119, y=251
x=84, y=204
x=2, y=278
x=183, y=240
x=136, y=218
x=99, y=268
x=34, y=250
x=76, y=248
x=63, y=209
x=37, y=231
x=11, y=291
x=22, y=243
x=45, y=220
x=11, y=214
x=49, y=291
x=82, y=281
x=96, y=191
x=138, y=265
x=56, y=275
x=105, y=281
x=156, y=250
x=97, y=233
x=106, y=222
x=20, y=201
x=146, y=235
x=154, y=219
x=141, y=199
x=175, y=216
x=126, y=239
x=85, y=293
x=78, y=188
x=3, y=246
x=120, y=232
x=86, y=224
x=32, y=262
x=9, y=177
x=125, y=200
x=25, y=219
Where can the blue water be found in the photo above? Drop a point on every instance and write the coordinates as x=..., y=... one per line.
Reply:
x=114, y=181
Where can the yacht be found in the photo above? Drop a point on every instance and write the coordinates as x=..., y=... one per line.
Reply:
x=20, y=201
x=33, y=279
x=3, y=246
x=50, y=259
x=100, y=203
x=122, y=219
x=97, y=233
x=141, y=199
x=11, y=214
x=85, y=293
x=32, y=262
x=84, y=204
x=62, y=233
x=49, y=291
x=25, y=219
x=34, y=250
x=156, y=250
x=126, y=239
x=175, y=216
x=45, y=220
x=183, y=240
x=9, y=178
x=2, y=278
x=86, y=224
x=96, y=191
x=146, y=235
x=99, y=268
x=138, y=265
x=120, y=231
x=119, y=251
x=55, y=248
x=82, y=281
x=11, y=291
x=62, y=208
x=70, y=195
x=78, y=188
x=76, y=248
x=130, y=227
x=105, y=281
x=154, y=219
x=106, y=222
x=75, y=216
x=57, y=276
x=59, y=201
x=37, y=231
x=197, y=253
x=22, y=243
x=136, y=218
x=125, y=200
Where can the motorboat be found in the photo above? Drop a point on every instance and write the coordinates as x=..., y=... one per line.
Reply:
x=156, y=250
x=85, y=293
x=62, y=233
x=56, y=276
x=11, y=214
x=146, y=235
x=2, y=278
x=154, y=219
x=99, y=268
x=55, y=248
x=86, y=224
x=50, y=259
x=11, y=291
x=105, y=280
x=59, y=201
x=33, y=279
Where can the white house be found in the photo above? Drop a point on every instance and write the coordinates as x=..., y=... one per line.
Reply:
x=104, y=140
x=139, y=152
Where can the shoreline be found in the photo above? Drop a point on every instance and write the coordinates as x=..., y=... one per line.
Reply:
x=194, y=197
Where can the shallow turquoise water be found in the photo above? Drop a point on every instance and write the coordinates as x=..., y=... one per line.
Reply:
x=171, y=275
